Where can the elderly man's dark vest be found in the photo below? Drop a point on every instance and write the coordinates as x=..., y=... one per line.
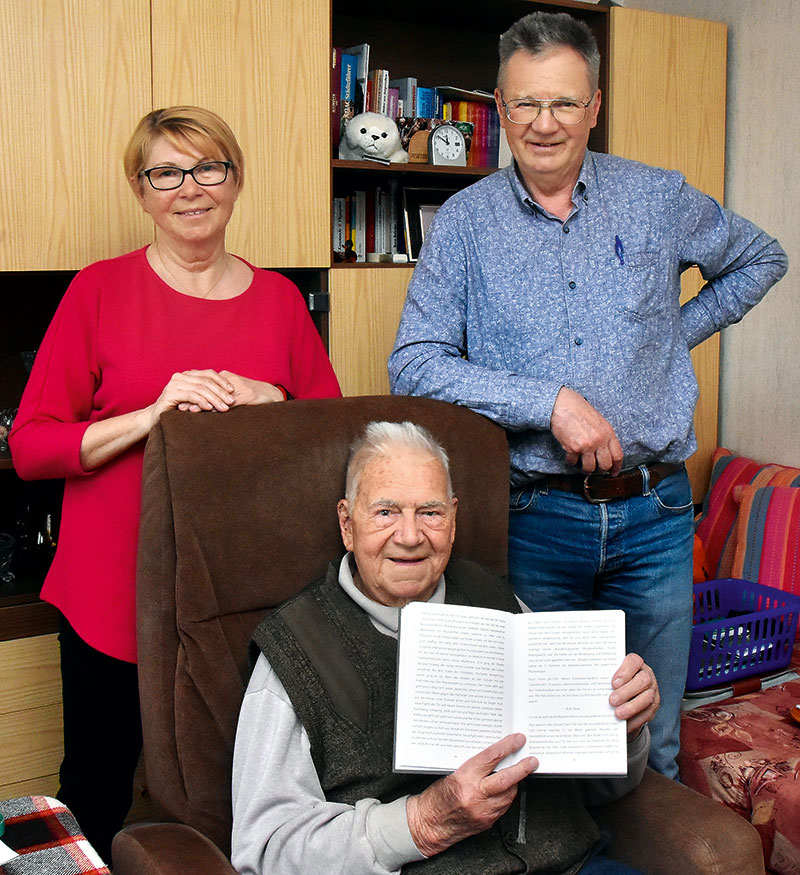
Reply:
x=340, y=673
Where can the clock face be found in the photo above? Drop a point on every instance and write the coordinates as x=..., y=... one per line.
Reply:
x=447, y=146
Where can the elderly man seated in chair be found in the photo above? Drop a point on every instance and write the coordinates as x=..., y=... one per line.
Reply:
x=313, y=786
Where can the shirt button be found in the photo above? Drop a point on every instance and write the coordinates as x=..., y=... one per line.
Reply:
x=578, y=341
x=565, y=229
x=586, y=198
x=573, y=284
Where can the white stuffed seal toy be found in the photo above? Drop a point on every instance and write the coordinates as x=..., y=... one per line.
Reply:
x=371, y=135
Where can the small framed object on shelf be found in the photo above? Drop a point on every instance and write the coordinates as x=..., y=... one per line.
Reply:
x=419, y=207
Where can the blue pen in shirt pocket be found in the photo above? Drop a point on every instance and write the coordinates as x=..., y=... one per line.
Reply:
x=619, y=249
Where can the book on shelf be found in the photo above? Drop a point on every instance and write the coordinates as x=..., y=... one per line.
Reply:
x=425, y=102
x=349, y=230
x=348, y=89
x=377, y=234
x=339, y=228
x=361, y=52
x=359, y=224
x=407, y=91
x=393, y=102
x=392, y=206
x=378, y=91
x=467, y=677
x=336, y=96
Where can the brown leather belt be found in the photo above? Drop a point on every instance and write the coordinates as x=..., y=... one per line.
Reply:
x=600, y=488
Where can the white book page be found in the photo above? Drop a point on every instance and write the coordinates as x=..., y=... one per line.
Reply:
x=570, y=658
x=454, y=662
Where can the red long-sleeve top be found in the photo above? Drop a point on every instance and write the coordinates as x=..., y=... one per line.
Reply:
x=116, y=339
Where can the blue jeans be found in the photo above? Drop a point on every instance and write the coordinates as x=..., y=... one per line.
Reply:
x=634, y=554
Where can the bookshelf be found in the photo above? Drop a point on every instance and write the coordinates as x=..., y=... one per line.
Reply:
x=443, y=44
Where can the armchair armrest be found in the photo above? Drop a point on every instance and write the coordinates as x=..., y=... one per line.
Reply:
x=166, y=849
x=664, y=828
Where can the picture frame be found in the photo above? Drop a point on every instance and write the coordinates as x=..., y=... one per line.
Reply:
x=419, y=208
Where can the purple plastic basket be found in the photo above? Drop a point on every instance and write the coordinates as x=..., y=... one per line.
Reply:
x=740, y=629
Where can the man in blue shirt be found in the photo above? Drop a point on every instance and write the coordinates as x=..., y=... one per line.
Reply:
x=546, y=297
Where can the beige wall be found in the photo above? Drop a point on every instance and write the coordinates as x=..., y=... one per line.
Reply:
x=760, y=367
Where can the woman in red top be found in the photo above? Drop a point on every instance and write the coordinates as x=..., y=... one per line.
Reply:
x=182, y=324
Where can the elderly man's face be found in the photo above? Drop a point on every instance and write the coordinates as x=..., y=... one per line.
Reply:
x=401, y=527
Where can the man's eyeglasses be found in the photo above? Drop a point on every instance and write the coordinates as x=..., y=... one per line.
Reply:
x=167, y=177
x=525, y=110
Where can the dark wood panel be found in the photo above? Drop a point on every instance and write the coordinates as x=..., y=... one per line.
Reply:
x=27, y=620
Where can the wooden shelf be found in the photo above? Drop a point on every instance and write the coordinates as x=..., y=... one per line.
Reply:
x=411, y=169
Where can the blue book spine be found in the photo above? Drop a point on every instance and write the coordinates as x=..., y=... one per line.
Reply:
x=438, y=103
x=349, y=71
x=425, y=103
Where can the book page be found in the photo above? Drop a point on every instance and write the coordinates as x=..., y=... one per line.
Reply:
x=565, y=660
x=453, y=664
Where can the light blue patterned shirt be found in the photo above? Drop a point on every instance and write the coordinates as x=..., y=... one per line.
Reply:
x=508, y=304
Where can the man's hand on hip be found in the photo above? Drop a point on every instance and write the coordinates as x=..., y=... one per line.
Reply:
x=469, y=800
x=585, y=435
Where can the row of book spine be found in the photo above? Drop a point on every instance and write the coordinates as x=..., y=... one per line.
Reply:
x=366, y=225
x=485, y=146
x=355, y=88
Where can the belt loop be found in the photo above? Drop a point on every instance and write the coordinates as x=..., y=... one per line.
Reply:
x=645, y=479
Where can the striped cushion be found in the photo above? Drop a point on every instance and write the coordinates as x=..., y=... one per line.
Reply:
x=768, y=537
x=716, y=524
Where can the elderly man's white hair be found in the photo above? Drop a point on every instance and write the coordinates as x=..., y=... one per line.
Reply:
x=380, y=439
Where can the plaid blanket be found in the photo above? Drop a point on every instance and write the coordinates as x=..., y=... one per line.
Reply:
x=47, y=838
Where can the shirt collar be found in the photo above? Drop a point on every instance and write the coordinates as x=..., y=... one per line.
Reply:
x=579, y=194
x=384, y=618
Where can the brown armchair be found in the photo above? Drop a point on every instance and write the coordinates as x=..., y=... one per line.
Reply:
x=238, y=513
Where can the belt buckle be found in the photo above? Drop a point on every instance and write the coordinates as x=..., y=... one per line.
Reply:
x=587, y=492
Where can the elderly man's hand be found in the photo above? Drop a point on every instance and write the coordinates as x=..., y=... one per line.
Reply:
x=635, y=697
x=469, y=800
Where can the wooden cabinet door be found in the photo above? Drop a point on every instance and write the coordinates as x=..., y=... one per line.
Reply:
x=365, y=312
x=265, y=68
x=667, y=83
x=30, y=716
x=74, y=80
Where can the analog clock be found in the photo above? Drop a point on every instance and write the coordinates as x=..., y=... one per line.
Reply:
x=446, y=145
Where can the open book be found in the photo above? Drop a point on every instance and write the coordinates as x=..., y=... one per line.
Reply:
x=469, y=676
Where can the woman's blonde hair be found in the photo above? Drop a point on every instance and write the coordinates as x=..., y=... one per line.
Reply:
x=200, y=128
